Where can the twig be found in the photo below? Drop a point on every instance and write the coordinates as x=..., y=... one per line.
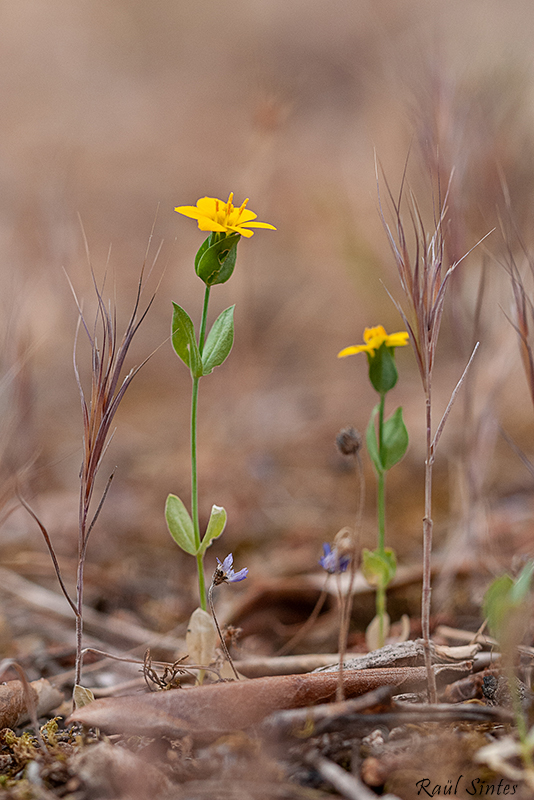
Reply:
x=348, y=785
x=347, y=601
x=159, y=664
x=259, y=666
x=303, y=630
x=314, y=722
x=223, y=643
x=102, y=624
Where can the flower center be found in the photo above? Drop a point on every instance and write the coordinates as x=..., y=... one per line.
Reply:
x=227, y=214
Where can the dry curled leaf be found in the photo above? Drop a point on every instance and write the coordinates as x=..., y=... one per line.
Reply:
x=82, y=696
x=13, y=708
x=206, y=712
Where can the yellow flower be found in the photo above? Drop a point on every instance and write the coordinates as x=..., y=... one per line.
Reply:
x=373, y=338
x=216, y=215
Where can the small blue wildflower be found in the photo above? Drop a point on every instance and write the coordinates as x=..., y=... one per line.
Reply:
x=332, y=562
x=225, y=572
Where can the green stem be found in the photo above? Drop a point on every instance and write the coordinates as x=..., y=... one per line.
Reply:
x=194, y=475
x=204, y=320
x=381, y=613
x=381, y=490
x=381, y=511
x=381, y=514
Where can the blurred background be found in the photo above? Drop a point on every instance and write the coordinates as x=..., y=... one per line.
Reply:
x=115, y=113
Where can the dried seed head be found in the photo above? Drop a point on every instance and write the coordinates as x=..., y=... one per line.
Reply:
x=344, y=542
x=348, y=441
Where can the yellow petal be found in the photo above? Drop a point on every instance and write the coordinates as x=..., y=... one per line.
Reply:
x=378, y=333
x=257, y=225
x=246, y=215
x=189, y=211
x=242, y=231
x=208, y=206
x=399, y=339
x=213, y=214
x=207, y=224
x=353, y=349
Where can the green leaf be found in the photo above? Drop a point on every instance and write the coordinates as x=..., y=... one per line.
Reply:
x=219, y=342
x=496, y=604
x=180, y=524
x=216, y=525
x=184, y=341
x=379, y=568
x=382, y=370
x=394, y=439
x=371, y=441
x=507, y=608
x=215, y=260
x=521, y=585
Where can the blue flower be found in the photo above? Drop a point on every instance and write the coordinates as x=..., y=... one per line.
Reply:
x=332, y=562
x=225, y=572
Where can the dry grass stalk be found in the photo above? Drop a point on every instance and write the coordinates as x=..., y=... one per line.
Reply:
x=107, y=391
x=522, y=305
x=424, y=277
x=523, y=313
x=108, y=387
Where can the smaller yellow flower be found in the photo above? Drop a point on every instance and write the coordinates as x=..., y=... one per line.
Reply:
x=373, y=338
x=216, y=215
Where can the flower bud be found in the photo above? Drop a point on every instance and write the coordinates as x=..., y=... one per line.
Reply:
x=348, y=441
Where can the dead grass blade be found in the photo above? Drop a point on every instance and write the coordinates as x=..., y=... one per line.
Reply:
x=424, y=277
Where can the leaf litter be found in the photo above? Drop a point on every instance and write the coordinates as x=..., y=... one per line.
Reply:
x=274, y=737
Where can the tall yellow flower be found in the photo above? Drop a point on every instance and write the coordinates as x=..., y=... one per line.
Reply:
x=216, y=215
x=374, y=338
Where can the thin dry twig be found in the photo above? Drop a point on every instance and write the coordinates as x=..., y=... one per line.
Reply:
x=347, y=784
x=347, y=719
x=221, y=637
x=348, y=599
x=308, y=625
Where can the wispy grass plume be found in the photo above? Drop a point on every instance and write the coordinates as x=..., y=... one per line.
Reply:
x=108, y=352
x=98, y=412
x=424, y=276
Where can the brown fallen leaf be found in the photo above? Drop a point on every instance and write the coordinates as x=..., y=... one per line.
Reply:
x=13, y=708
x=108, y=771
x=206, y=712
